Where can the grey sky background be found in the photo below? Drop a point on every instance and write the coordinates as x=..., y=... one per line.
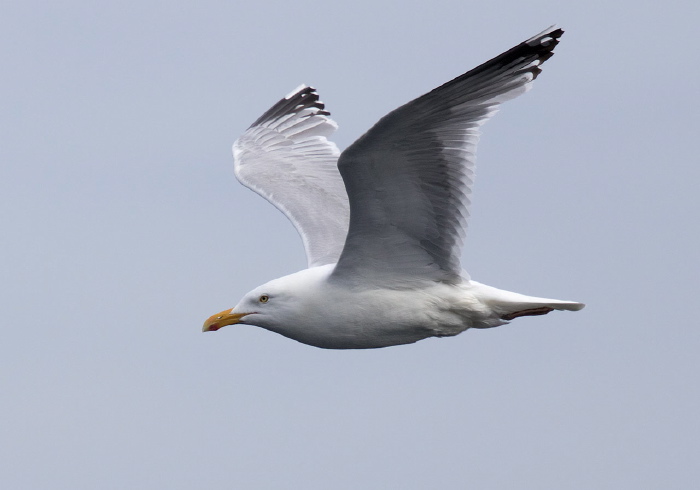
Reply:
x=123, y=229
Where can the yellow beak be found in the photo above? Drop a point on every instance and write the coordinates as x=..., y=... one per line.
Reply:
x=215, y=322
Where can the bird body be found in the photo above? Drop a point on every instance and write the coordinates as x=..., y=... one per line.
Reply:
x=371, y=317
x=383, y=222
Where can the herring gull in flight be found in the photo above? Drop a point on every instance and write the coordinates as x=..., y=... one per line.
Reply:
x=384, y=221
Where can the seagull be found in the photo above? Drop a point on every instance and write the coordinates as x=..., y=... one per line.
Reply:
x=383, y=222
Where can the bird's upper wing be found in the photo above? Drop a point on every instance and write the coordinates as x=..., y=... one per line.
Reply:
x=410, y=176
x=285, y=157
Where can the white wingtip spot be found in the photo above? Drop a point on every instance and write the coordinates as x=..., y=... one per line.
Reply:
x=295, y=91
x=538, y=37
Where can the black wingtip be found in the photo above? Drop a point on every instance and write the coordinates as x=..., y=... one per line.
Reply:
x=529, y=54
x=542, y=44
x=302, y=98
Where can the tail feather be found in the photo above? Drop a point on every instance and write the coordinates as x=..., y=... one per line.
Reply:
x=508, y=305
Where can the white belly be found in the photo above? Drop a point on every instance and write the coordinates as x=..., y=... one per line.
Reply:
x=380, y=318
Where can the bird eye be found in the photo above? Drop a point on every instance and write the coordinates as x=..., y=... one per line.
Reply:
x=264, y=298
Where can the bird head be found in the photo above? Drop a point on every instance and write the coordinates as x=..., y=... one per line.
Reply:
x=263, y=306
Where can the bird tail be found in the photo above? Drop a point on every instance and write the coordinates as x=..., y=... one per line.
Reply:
x=508, y=305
